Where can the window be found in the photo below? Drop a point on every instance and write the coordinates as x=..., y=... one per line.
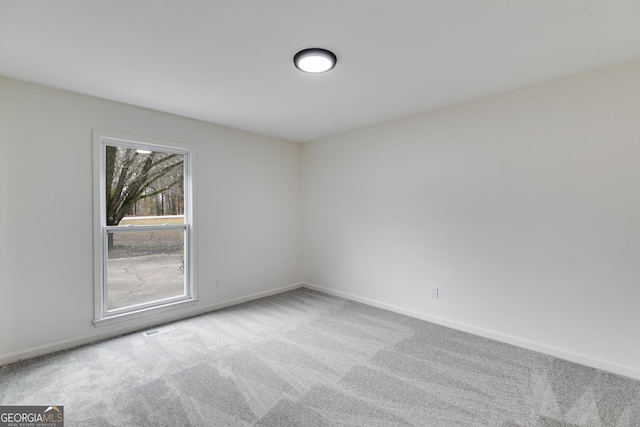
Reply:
x=143, y=233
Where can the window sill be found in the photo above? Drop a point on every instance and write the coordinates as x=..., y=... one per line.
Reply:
x=149, y=313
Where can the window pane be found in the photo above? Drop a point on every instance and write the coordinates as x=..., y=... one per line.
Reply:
x=144, y=266
x=143, y=183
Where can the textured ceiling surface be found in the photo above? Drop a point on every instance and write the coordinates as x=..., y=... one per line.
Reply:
x=230, y=61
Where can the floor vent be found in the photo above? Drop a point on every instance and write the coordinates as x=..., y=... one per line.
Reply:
x=153, y=332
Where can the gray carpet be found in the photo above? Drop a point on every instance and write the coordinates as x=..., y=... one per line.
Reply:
x=304, y=358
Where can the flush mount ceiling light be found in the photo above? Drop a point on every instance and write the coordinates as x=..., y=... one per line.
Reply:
x=314, y=60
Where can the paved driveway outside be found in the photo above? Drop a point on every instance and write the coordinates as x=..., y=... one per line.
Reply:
x=142, y=279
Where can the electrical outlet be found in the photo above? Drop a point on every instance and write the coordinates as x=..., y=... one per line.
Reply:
x=216, y=283
x=433, y=292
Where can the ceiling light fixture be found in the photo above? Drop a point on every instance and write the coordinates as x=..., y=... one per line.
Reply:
x=315, y=60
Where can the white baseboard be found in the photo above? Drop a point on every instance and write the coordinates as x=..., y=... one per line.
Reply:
x=583, y=359
x=572, y=356
x=240, y=300
x=138, y=326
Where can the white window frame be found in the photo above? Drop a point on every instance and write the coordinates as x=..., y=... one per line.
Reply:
x=155, y=309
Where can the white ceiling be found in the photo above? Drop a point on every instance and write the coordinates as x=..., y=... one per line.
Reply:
x=230, y=61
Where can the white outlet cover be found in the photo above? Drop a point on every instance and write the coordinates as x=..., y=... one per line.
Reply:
x=434, y=292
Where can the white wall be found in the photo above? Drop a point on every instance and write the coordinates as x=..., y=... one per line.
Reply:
x=248, y=212
x=523, y=208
